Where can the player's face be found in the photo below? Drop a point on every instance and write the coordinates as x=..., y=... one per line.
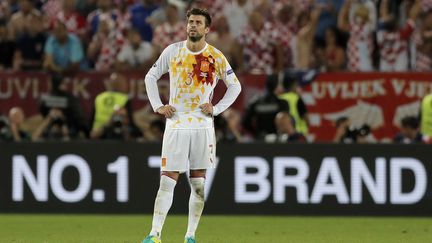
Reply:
x=196, y=27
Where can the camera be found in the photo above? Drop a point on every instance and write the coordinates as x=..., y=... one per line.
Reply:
x=353, y=133
x=117, y=121
x=57, y=121
x=3, y=122
x=4, y=126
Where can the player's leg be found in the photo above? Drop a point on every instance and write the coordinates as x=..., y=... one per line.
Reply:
x=196, y=201
x=202, y=157
x=163, y=202
x=174, y=159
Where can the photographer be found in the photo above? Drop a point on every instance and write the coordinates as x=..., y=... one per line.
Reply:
x=112, y=112
x=61, y=99
x=53, y=127
x=346, y=133
x=118, y=128
x=10, y=129
x=409, y=131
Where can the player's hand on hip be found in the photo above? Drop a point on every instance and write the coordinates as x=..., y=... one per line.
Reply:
x=207, y=108
x=166, y=110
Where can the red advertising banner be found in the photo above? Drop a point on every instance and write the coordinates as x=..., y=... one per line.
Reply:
x=380, y=100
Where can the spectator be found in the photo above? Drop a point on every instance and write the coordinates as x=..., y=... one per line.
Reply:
x=261, y=112
x=123, y=20
x=170, y=31
x=222, y=39
x=104, y=10
x=112, y=115
x=329, y=15
x=53, y=127
x=159, y=16
x=30, y=47
x=334, y=53
x=304, y=41
x=359, y=19
x=7, y=47
x=409, y=132
x=136, y=53
x=286, y=34
x=423, y=42
x=75, y=22
x=140, y=12
x=105, y=45
x=214, y=7
x=237, y=13
x=5, y=10
x=286, y=132
x=69, y=108
x=297, y=107
x=393, y=41
x=63, y=51
x=51, y=7
x=20, y=21
x=426, y=115
x=259, y=51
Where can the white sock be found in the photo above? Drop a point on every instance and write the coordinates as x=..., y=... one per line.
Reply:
x=196, y=204
x=163, y=203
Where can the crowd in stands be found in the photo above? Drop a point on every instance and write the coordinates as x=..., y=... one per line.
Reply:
x=257, y=36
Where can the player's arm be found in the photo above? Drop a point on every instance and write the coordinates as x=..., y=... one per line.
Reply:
x=159, y=68
x=227, y=74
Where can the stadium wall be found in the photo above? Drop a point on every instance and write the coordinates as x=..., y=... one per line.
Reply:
x=278, y=179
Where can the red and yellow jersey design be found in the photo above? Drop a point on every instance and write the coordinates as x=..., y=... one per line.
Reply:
x=193, y=77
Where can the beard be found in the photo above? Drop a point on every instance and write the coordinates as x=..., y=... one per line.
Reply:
x=195, y=38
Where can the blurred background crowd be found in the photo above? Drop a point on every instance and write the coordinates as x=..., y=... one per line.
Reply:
x=267, y=37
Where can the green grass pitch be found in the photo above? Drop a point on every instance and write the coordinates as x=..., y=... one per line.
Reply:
x=17, y=228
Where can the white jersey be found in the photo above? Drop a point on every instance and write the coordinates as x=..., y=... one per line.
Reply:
x=193, y=77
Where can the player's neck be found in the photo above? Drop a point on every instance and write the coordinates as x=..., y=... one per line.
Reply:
x=196, y=46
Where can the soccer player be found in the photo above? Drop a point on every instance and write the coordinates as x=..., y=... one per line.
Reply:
x=189, y=140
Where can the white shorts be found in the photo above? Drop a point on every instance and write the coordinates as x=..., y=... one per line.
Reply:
x=188, y=149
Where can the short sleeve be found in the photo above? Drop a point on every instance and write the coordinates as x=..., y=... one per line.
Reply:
x=49, y=46
x=77, y=52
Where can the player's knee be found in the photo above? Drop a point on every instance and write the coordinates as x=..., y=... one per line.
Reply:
x=167, y=183
x=197, y=186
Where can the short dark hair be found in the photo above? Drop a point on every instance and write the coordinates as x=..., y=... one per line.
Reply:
x=272, y=82
x=202, y=12
x=410, y=122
